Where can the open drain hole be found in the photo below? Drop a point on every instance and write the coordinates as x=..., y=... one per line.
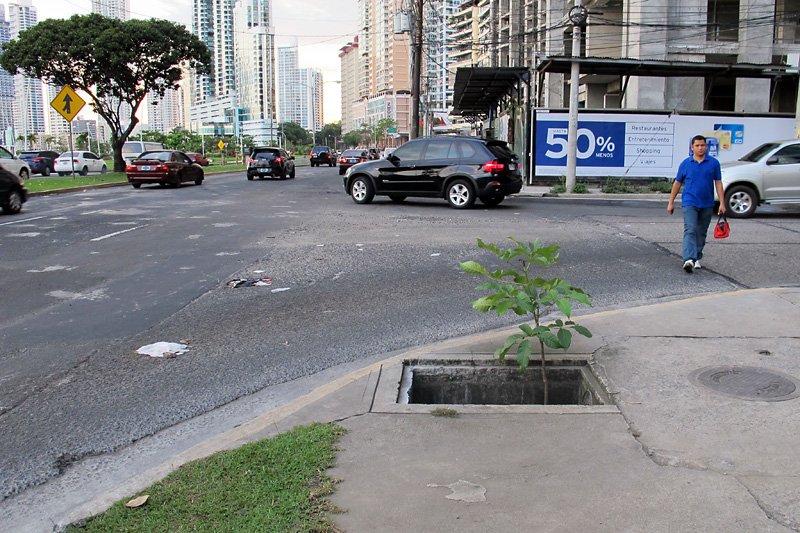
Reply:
x=572, y=382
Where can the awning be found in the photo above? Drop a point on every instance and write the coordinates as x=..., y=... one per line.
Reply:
x=478, y=89
x=663, y=69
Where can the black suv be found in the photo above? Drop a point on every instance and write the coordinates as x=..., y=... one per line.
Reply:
x=321, y=155
x=458, y=169
x=268, y=161
x=41, y=162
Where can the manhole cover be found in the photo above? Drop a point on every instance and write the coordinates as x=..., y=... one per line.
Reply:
x=748, y=383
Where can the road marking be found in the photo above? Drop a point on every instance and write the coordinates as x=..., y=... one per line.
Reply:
x=116, y=233
x=19, y=221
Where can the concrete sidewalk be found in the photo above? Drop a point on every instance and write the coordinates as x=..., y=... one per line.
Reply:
x=670, y=454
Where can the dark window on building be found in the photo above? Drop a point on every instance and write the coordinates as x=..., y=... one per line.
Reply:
x=723, y=20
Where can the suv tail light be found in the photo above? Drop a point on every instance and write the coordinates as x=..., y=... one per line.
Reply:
x=494, y=167
x=278, y=159
x=251, y=160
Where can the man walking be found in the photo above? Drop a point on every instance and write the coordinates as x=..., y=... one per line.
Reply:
x=699, y=174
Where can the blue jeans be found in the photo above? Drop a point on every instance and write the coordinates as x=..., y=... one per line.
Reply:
x=695, y=228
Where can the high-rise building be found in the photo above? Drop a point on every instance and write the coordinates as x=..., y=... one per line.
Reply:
x=254, y=62
x=28, y=103
x=384, y=73
x=212, y=22
x=350, y=61
x=299, y=91
x=439, y=31
x=118, y=9
x=6, y=86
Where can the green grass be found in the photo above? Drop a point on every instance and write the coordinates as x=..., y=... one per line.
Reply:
x=277, y=484
x=53, y=183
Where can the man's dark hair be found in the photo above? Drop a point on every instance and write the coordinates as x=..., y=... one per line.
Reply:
x=699, y=138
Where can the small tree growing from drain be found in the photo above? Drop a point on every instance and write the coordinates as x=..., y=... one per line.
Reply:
x=518, y=291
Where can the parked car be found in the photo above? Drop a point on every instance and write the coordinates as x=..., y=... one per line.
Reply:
x=770, y=174
x=12, y=192
x=82, y=162
x=14, y=164
x=41, y=162
x=459, y=169
x=267, y=161
x=321, y=155
x=350, y=158
x=166, y=167
x=198, y=158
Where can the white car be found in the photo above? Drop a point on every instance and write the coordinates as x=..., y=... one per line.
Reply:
x=770, y=174
x=14, y=164
x=84, y=162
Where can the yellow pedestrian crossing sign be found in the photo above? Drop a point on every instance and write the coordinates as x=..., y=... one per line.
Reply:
x=221, y=145
x=68, y=103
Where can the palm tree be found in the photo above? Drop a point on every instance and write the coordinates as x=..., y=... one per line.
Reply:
x=48, y=141
x=21, y=138
x=32, y=139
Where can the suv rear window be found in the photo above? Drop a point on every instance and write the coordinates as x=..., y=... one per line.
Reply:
x=501, y=151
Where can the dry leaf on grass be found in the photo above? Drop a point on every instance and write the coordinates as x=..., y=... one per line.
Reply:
x=137, y=502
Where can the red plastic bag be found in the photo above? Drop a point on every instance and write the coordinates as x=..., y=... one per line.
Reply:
x=722, y=229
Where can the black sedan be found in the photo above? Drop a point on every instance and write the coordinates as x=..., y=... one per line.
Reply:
x=459, y=169
x=166, y=167
x=12, y=192
x=350, y=158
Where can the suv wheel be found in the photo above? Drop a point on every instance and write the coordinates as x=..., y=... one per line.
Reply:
x=46, y=171
x=740, y=201
x=361, y=190
x=460, y=195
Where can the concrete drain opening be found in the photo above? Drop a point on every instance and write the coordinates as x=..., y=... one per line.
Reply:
x=487, y=382
x=748, y=383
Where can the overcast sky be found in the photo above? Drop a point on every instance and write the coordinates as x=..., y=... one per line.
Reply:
x=321, y=27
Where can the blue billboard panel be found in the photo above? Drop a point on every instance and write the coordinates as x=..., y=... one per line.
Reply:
x=600, y=144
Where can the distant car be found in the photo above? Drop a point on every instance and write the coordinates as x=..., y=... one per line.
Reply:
x=350, y=158
x=14, y=164
x=166, y=167
x=198, y=158
x=41, y=162
x=459, y=169
x=12, y=192
x=770, y=174
x=270, y=162
x=82, y=162
x=321, y=155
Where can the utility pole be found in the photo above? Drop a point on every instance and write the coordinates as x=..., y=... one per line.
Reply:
x=577, y=16
x=416, y=70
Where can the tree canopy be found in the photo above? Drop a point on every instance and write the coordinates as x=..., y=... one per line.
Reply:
x=112, y=61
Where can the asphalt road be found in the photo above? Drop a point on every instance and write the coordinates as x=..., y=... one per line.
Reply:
x=90, y=277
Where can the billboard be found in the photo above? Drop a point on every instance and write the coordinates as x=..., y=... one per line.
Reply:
x=642, y=145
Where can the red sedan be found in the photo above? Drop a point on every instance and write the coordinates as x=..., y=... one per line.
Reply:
x=166, y=167
x=198, y=158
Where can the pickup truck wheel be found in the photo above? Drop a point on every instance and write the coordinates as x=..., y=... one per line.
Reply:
x=740, y=201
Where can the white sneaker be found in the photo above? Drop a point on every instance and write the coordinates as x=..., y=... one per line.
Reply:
x=697, y=265
x=688, y=266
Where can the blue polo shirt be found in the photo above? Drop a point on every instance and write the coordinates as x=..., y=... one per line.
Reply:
x=698, y=181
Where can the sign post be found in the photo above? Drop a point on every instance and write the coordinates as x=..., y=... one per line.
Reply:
x=221, y=146
x=68, y=104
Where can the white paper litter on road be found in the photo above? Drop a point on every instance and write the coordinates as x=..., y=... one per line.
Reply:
x=159, y=349
x=281, y=289
x=435, y=255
